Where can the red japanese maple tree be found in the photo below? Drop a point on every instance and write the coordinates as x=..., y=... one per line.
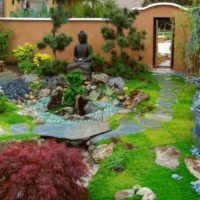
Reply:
x=50, y=171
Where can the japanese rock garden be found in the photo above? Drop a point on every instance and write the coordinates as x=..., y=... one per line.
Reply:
x=104, y=125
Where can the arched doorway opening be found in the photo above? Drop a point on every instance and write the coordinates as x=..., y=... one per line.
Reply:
x=163, y=48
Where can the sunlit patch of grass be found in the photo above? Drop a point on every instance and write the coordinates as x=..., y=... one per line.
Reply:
x=140, y=161
x=10, y=117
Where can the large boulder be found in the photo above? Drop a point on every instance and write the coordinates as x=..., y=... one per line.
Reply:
x=80, y=103
x=117, y=82
x=94, y=95
x=56, y=81
x=137, y=98
x=102, y=151
x=90, y=107
x=56, y=97
x=168, y=157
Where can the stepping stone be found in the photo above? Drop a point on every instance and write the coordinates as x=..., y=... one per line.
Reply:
x=150, y=123
x=123, y=120
x=123, y=129
x=72, y=131
x=167, y=156
x=159, y=117
x=20, y=128
x=2, y=131
x=165, y=105
x=168, y=95
x=166, y=100
x=163, y=111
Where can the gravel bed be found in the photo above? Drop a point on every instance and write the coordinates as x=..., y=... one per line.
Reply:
x=16, y=89
x=40, y=106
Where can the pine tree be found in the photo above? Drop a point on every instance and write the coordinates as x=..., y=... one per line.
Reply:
x=57, y=42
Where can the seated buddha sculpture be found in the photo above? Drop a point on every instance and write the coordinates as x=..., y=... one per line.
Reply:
x=82, y=56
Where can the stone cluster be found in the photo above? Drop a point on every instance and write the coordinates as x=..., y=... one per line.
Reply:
x=145, y=193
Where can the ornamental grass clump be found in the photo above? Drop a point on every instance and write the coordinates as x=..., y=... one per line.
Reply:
x=48, y=171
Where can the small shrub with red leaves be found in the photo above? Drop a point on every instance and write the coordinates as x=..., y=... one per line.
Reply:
x=50, y=171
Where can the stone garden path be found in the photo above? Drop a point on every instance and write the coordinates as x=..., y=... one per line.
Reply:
x=162, y=113
x=100, y=130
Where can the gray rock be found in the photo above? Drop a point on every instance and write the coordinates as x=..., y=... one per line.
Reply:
x=20, y=128
x=56, y=97
x=159, y=117
x=123, y=129
x=193, y=165
x=116, y=102
x=143, y=191
x=149, y=196
x=94, y=95
x=64, y=111
x=100, y=78
x=90, y=107
x=102, y=151
x=56, y=81
x=31, y=78
x=167, y=156
x=72, y=131
x=147, y=193
x=117, y=82
x=123, y=194
x=150, y=123
x=44, y=92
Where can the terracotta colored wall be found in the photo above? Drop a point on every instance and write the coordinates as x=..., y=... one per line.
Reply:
x=145, y=22
x=33, y=30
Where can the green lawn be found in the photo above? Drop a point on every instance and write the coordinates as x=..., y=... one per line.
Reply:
x=9, y=118
x=140, y=165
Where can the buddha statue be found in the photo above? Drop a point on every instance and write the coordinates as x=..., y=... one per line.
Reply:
x=82, y=55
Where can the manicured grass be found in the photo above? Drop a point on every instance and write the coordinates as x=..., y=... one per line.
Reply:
x=146, y=82
x=9, y=118
x=140, y=161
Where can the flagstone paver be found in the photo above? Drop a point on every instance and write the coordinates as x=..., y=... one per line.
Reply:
x=163, y=112
x=20, y=128
x=72, y=131
x=150, y=123
x=123, y=129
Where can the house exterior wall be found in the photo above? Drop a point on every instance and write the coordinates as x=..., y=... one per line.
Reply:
x=32, y=30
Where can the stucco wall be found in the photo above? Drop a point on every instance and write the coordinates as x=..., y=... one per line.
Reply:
x=33, y=30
